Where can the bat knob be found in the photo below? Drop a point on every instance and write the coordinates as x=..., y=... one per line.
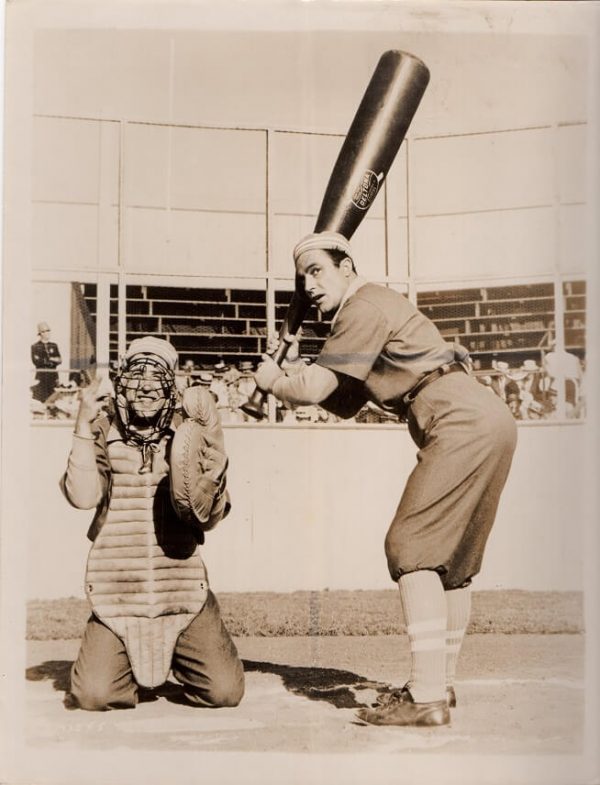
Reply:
x=255, y=405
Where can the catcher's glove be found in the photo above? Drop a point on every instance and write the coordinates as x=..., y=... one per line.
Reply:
x=199, y=463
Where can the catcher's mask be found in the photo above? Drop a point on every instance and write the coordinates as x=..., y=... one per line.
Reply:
x=146, y=397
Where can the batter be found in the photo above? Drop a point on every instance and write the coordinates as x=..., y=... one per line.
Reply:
x=382, y=349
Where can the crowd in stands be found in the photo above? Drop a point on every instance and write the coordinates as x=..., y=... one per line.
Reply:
x=529, y=390
x=532, y=391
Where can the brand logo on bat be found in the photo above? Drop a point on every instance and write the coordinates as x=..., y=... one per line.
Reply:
x=367, y=190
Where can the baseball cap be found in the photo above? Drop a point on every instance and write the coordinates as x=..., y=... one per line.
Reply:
x=325, y=241
x=155, y=346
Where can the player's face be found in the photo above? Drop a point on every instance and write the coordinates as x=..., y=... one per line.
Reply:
x=145, y=390
x=324, y=283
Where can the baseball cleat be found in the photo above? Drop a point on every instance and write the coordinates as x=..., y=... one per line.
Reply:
x=396, y=694
x=404, y=711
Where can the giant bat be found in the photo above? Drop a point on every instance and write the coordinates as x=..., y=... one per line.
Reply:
x=378, y=128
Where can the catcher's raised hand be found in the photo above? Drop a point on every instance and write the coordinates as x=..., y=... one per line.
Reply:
x=92, y=400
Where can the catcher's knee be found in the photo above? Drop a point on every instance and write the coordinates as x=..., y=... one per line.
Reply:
x=94, y=698
x=217, y=696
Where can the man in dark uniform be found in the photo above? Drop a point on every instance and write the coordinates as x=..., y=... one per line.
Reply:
x=45, y=355
x=382, y=349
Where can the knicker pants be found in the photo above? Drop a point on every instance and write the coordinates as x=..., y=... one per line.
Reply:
x=205, y=661
x=467, y=438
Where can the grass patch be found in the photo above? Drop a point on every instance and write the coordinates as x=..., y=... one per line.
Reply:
x=271, y=614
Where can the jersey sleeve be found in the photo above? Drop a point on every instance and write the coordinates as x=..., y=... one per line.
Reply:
x=358, y=337
x=87, y=478
x=347, y=399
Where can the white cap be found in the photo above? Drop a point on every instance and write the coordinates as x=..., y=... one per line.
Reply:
x=155, y=346
x=324, y=241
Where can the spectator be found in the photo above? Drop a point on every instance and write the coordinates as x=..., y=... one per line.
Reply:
x=187, y=376
x=527, y=378
x=499, y=379
x=245, y=385
x=220, y=391
x=64, y=401
x=559, y=364
x=45, y=355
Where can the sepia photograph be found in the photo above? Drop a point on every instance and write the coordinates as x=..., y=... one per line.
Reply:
x=299, y=382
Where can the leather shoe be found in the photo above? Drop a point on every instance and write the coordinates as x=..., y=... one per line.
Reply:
x=397, y=694
x=404, y=711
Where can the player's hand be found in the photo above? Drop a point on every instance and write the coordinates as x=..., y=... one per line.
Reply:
x=267, y=373
x=91, y=400
x=293, y=343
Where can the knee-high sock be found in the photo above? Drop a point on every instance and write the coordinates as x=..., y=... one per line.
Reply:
x=458, y=603
x=424, y=606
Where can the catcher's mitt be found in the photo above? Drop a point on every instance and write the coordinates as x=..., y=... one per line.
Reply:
x=199, y=463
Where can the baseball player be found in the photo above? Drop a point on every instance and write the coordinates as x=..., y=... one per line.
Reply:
x=382, y=349
x=155, y=471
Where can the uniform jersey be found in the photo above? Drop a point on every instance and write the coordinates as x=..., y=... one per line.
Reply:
x=380, y=347
x=381, y=339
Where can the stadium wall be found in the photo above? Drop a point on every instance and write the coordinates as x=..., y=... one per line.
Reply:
x=111, y=180
x=307, y=515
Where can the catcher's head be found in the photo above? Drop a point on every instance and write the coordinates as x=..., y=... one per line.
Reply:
x=145, y=389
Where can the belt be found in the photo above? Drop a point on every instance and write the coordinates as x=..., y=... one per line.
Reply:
x=443, y=370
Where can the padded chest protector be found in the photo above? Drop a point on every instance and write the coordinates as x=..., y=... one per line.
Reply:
x=145, y=578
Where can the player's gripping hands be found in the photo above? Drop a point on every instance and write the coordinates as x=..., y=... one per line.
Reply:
x=269, y=371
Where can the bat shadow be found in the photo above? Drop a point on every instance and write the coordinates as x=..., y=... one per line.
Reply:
x=340, y=688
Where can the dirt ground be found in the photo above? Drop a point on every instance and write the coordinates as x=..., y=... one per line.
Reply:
x=518, y=695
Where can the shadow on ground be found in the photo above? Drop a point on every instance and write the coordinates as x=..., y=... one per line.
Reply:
x=58, y=671
x=320, y=684
x=334, y=686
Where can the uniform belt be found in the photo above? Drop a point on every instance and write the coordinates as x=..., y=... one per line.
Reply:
x=443, y=370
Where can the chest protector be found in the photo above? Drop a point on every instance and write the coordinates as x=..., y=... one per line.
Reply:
x=145, y=578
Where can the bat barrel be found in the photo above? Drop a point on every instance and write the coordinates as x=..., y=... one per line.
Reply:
x=375, y=135
x=377, y=131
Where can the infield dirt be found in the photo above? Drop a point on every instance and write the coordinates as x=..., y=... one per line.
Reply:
x=517, y=694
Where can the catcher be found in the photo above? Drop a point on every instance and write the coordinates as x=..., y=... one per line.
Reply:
x=155, y=470
x=382, y=349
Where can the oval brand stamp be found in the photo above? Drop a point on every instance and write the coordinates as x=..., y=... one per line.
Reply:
x=367, y=190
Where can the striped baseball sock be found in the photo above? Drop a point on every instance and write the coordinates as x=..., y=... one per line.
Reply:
x=424, y=606
x=458, y=603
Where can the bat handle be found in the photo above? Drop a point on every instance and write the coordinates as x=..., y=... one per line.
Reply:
x=255, y=405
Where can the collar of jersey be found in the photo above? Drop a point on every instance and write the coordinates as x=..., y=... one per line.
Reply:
x=352, y=289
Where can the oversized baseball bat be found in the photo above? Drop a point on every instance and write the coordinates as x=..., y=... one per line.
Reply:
x=375, y=135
